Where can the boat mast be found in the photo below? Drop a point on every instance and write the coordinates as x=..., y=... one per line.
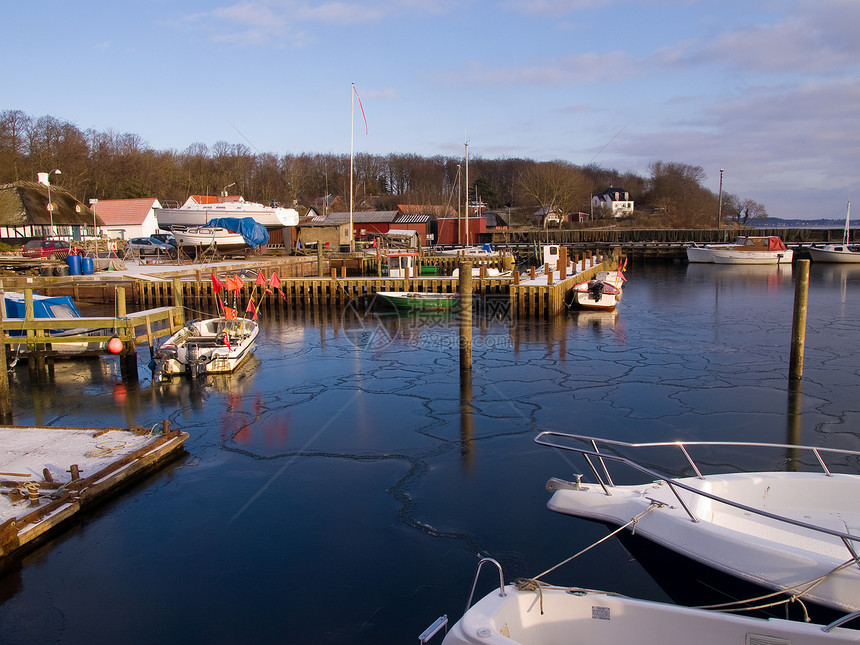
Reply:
x=846, y=236
x=351, y=164
x=467, y=193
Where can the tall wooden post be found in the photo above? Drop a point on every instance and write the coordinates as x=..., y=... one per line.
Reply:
x=465, y=287
x=5, y=398
x=798, y=327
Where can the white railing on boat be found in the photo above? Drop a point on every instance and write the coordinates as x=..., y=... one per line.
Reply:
x=606, y=483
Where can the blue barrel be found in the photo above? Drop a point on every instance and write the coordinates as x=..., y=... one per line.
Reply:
x=87, y=266
x=74, y=262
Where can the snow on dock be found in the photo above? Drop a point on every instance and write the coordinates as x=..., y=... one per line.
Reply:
x=49, y=474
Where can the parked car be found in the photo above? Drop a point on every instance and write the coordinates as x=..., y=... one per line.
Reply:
x=49, y=249
x=149, y=246
x=166, y=238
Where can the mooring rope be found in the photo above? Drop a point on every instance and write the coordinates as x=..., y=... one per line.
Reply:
x=738, y=605
x=534, y=584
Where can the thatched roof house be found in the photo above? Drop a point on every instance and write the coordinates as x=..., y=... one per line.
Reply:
x=24, y=213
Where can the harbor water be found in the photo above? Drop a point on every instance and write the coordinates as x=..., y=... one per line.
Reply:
x=341, y=486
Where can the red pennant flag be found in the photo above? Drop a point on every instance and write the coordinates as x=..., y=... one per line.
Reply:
x=227, y=341
x=274, y=281
x=261, y=279
x=269, y=291
x=217, y=285
x=252, y=309
x=283, y=295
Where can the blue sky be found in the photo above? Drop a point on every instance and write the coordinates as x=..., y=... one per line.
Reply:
x=766, y=89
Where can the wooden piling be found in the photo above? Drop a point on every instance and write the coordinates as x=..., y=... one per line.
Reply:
x=465, y=287
x=798, y=327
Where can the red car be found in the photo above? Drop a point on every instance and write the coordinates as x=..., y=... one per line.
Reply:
x=49, y=249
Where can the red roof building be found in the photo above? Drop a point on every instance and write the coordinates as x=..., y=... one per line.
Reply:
x=127, y=218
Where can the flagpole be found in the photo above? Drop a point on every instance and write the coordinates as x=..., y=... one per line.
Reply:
x=351, y=165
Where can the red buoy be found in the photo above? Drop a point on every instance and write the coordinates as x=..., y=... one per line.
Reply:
x=114, y=345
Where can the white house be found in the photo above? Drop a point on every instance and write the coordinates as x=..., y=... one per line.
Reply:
x=615, y=201
x=127, y=218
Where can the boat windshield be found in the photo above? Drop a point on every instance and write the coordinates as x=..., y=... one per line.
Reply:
x=62, y=310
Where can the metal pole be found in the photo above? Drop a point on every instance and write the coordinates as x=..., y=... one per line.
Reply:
x=720, y=211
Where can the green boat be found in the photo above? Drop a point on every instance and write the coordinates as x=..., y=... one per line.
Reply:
x=412, y=300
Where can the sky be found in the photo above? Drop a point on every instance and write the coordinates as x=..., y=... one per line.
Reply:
x=766, y=90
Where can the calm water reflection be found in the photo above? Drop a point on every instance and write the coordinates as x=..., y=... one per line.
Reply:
x=339, y=488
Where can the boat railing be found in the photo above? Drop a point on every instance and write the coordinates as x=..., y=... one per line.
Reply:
x=604, y=479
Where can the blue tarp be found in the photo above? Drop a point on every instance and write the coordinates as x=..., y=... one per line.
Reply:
x=255, y=234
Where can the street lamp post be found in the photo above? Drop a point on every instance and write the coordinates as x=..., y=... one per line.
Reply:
x=720, y=211
x=50, y=205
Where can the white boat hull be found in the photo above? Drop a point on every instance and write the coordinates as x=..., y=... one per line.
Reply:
x=218, y=239
x=604, y=297
x=704, y=254
x=836, y=253
x=201, y=348
x=586, y=617
x=199, y=216
x=737, y=256
x=755, y=548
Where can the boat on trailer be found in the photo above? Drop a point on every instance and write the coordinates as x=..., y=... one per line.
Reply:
x=211, y=346
x=535, y=613
x=793, y=532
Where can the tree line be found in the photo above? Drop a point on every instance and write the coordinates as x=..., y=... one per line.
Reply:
x=110, y=165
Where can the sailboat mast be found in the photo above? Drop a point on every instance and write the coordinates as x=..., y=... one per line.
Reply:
x=351, y=164
x=846, y=237
x=467, y=193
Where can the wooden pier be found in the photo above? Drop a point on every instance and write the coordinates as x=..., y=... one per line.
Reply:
x=540, y=294
x=93, y=334
x=49, y=475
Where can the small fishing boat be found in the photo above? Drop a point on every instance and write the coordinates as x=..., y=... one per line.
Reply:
x=594, y=294
x=414, y=300
x=844, y=253
x=534, y=613
x=212, y=346
x=753, y=250
x=793, y=532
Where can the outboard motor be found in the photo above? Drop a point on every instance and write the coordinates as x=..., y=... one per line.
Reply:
x=595, y=289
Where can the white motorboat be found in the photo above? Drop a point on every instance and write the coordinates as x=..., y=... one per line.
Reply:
x=594, y=294
x=753, y=250
x=843, y=253
x=745, y=250
x=198, y=215
x=532, y=613
x=792, y=532
x=484, y=251
x=197, y=241
x=490, y=272
x=212, y=346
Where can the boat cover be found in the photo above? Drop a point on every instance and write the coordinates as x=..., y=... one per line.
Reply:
x=43, y=307
x=254, y=234
x=774, y=243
